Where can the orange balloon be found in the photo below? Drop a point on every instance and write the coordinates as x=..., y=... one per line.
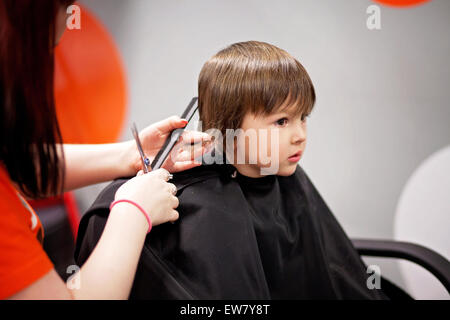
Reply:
x=401, y=3
x=90, y=87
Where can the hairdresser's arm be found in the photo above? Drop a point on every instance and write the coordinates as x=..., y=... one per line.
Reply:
x=109, y=271
x=90, y=164
x=94, y=163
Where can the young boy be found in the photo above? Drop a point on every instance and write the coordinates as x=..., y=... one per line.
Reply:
x=252, y=225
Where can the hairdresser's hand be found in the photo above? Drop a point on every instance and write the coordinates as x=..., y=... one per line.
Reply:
x=182, y=156
x=153, y=193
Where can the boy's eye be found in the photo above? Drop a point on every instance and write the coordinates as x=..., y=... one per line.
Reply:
x=281, y=122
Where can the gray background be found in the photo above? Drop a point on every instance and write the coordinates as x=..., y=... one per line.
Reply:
x=383, y=95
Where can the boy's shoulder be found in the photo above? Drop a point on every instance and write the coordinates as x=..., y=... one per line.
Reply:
x=181, y=180
x=193, y=186
x=208, y=178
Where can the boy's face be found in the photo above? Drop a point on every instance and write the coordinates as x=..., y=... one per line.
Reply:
x=281, y=141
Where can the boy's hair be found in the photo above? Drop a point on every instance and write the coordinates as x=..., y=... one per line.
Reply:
x=254, y=77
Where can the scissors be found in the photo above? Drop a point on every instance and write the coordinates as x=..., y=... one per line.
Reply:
x=144, y=159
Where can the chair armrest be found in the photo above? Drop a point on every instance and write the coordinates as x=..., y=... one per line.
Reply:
x=427, y=258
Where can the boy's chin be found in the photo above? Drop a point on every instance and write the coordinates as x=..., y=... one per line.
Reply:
x=286, y=172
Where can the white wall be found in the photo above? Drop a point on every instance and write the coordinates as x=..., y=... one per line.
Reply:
x=383, y=95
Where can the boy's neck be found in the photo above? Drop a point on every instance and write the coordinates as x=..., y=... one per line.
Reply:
x=248, y=170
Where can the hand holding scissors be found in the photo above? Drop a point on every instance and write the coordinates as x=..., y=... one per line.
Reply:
x=166, y=144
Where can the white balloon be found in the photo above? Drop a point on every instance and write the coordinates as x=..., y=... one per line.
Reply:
x=423, y=217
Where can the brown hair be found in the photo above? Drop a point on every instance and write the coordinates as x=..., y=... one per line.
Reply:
x=254, y=77
x=29, y=131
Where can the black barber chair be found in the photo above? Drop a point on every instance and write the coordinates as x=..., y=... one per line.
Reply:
x=427, y=258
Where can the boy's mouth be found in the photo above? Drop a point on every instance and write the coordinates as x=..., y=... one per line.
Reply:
x=295, y=157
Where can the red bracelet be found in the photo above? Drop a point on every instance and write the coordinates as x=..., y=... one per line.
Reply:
x=137, y=206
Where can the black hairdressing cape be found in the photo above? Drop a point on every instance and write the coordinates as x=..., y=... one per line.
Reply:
x=240, y=238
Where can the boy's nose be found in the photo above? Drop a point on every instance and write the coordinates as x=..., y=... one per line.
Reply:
x=298, y=135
